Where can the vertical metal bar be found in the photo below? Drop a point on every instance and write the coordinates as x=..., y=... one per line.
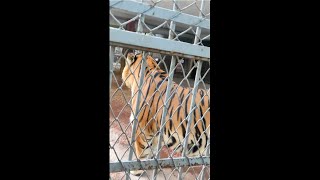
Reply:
x=198, y=30
x=111, y=64
x=190, y=116
x=172, y=23
x=197, y=35
x=196, y=40
x=135, y=120
x=195, y=88
x=171, y=72
x=207, y=154
x=140, y=26
x=165, y=110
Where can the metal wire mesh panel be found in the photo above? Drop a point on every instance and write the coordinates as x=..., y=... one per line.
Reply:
x=160, y=89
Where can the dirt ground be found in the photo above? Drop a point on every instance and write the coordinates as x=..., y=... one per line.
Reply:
x=120, y=134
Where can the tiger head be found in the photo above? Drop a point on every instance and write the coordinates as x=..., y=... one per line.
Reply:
x=133, y=67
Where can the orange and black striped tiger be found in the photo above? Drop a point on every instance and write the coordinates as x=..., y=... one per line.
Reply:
x=151, y=110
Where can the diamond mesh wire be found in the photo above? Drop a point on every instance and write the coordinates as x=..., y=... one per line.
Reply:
x=184, y=73
x=151, y=25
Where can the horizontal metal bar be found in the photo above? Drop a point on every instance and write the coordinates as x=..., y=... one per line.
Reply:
x=122, y=38
x=152, y=164
x=158, y=51
x=160, y=12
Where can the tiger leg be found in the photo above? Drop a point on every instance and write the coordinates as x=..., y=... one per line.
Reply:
x=148, y=152
x=143, y=151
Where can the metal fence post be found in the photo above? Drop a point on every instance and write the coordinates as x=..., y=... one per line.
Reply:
x=135, y=120
x=196, y=40
x=171, y=72
x=165, y=110
x=207, y=154
x=190, y=116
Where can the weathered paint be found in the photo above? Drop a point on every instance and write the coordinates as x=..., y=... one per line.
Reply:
x=152, y=164
x=133, y=39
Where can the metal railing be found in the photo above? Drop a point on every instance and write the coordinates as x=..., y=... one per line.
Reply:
x=174, y=33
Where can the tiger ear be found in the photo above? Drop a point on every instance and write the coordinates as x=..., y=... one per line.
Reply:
x=152, y=63
x=130, y=58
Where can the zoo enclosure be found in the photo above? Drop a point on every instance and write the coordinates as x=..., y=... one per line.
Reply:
x=177, y=36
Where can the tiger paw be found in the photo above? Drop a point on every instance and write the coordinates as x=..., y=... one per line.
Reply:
x=137, y=172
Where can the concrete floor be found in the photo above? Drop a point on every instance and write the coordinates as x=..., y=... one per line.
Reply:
x=120, y=134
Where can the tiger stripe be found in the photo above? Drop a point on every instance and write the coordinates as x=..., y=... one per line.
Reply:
x=178, y=110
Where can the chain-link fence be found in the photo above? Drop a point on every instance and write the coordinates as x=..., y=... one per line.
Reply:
x=160, y=89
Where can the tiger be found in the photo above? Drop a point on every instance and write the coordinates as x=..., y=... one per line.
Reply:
x=151, y=107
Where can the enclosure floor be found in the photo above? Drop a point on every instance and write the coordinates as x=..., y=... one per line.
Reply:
x=120, y=135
